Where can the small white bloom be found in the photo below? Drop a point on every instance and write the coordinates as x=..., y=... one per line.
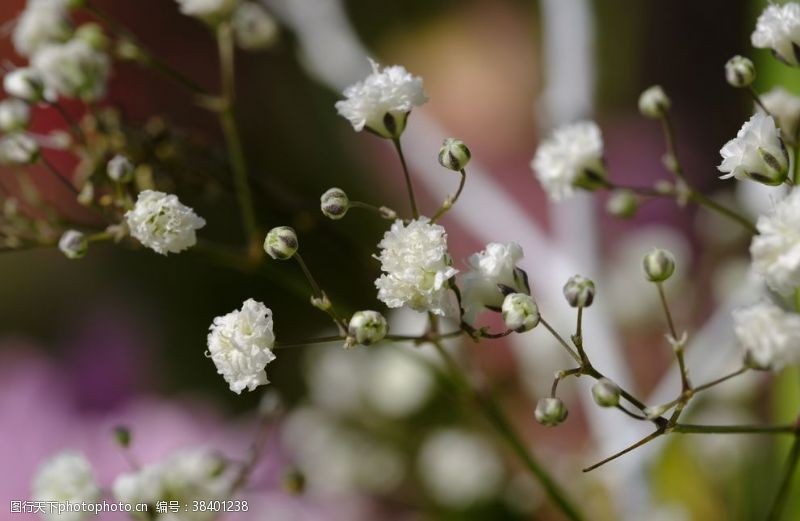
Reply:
x=73, y=244
x=571, y=157
x=778, y=28
x=776, y=248
x=18, y=149
x=120, y=169
x=382, y=101
x=188, y=475
x=740, y=72
x=785, y=107
x=417, y=266
x=366, y=328
x=769, y=335
x=15, y=115
x=66, y=477
x=653, y=102
x=240, y=345
x=253, y=27
x=26, y=84
x=74, y=69
x=757, y=152
x=454, y=154
x=42, y=22
x=160, y=222
x=550, y=411
x=520, y=312
x=497, y=264
x=208, y=10
x=459, y=468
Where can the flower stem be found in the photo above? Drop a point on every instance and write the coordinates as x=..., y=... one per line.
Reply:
x=409, y=186
x=450, y=201
x=59, y=176
x=650, y=437
x=561, y=341
x=721, y=379
x=709, y=203
x=789, y=472
x=686, y=428
x=672, y=331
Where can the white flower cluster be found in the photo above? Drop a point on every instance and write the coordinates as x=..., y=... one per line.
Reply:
x=776, y=248
x=769, y=335
x=240, y=345
x=417, y=266
x=160, y=222
x=66, y=477
x=74, y=69
x=382, y=101
x=43, y=22
x=572, y=157
x=757, y=152
x=778, y=29
x=193, y=474
x=495, y=265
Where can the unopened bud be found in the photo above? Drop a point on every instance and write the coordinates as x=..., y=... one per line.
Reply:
x=281, y=243
x=622, y=204
x=334, y=203
x=120, y=169
x=15, y=115
x=653, y=102
x=454, y=154
x=740, y=72
x=18, y=149
x=367, y=327
x=26, y=84
x=659, y=265
x=253, y=27
x=605, y=393
x=520, y=312
x=73, y=244
x=579, y=291
x=550, y=411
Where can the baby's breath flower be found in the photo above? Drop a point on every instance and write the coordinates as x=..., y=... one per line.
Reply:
x=367, y=327
x=622, y=204
x=776, y=249
x=659, y=265
x=757, y=152
x=550, y=411
x=572, y=157
x=73, y=244
x=606, y=393
x=281, y=243
x=740, y=71
x=495, y=265
x=160, y=222
x=73, y=69
x=120, y=169
x=18, y=149
x=784, y=107
x=382, y=101
x=454, y=154
x=416, y=266
x=253, y=27
x=66, y=477
x=520, y=312
x=240, y=345
x=579, y=291
x=778, y=29
x=653, y=102
x=93, y=35
x=41, y=23
x=210, y=11
x=15, y=115
x=334, y=203
x=769, y=335
x=26, y=84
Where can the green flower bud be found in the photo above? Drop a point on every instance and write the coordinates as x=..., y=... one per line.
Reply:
x=366, y=328
x=659, y=265
x=550, y=411
x=579, y=291
x=740, y=72
x=334, y=203
x=653, y=102
x=520, y=312
x=622, y=204
x=605, y=393
x=73, y=244
x=281, y=243
x=454, y=154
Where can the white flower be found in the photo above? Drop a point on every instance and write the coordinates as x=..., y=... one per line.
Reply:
x=193, y=474
x=778, y=28
x=417, y=266
x=653, y=102
x=26, y=84
x=776, y=248
x=769, y=335
x=382, y=101
x=162, y=223
x=209, y=10
x=18, y=149
x=571, y=157
x=42, y=22
x=74, y=69
x=785, y=107
x=459, y=468
x=520, y=312
x=120, y=169
x=15, y=115
x=66, y=477
x=757, y=152
x=73, y=244
x=497, y=264
x=240, y=345
x=253, y=27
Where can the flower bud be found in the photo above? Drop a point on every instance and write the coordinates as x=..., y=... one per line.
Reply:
x=92, y=34
x=622, y=204
x=659, y=265
x=120, y=169
x=281, y=243
x=454, y=154
x=579, y=291
x=253, y=27
x=520, y=312
x=653, y=102
x=15, y=115
x=550, y=411
x=605, y=393
x=18, y=149
x=127, y=50
x=387, y=213
x=367, y=327
x=26, y=84
x=334, y=203
x=73, y=244
x=740, y=72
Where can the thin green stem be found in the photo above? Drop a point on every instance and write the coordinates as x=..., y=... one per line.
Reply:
x=686, y=428
x=74, y=128
x=757, y=99
x=310, y=341
x=786, y=483
x=643, y=441
x=451, y=201
x=721, y=379
x=674, y=334
x=561, y=375
x=561, y=341
x=409, y=186
x=709, y=203
x=58, y=175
